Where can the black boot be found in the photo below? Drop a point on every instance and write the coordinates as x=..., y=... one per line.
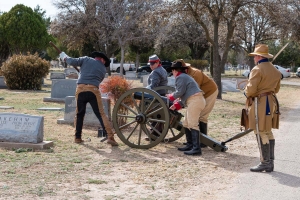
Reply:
x=189, y=141
x=272, y=157
x=203, y=129
x=196, y=150
x=265, y=164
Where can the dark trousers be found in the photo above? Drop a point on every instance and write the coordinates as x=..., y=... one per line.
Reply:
x=92, y=95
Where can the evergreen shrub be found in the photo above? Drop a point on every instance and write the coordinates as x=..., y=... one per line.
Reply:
x=25, y=72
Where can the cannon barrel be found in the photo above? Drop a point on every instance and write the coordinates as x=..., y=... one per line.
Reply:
x=139, y=96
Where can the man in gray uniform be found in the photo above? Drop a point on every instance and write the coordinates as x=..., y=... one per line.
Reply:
x=92, y=73
x=158, y=77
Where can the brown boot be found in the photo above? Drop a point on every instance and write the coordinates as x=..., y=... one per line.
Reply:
x=78, y=140
x=111, y=141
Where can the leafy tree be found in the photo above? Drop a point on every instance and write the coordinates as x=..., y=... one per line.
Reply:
x=42, y=13
x=23, y=30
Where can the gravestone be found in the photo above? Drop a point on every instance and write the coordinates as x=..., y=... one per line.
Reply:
x=171, y=81
x=21, y=128
x=229, y=86
x=89, y=118
x=69, y=71
x=57, y=75
x=60, y=89
x=2, y=83
x=241, y=83
x=130, y=75
x=141, y=74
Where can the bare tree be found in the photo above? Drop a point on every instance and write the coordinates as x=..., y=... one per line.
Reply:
x=254, y=26
x=183, y=33
x=105, y=21
x=211, y=15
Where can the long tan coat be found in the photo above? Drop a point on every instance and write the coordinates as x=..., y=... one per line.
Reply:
x=206, y=84
x=263, y=78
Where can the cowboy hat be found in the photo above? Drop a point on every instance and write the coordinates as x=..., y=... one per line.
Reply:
x=261, y=50
x=178, y=65
x=184, y=64
x=101, y=55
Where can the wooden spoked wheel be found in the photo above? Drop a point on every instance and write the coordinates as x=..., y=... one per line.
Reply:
x=176, y=130
x=135, y=116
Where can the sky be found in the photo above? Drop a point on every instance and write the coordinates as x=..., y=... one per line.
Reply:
x=46, y=5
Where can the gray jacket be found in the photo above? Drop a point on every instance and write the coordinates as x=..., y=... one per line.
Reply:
x=185, y=87
x=158, y=77
x=91, y=71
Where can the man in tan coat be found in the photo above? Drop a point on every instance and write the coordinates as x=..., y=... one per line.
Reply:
x=263, y=83
x=210, y=90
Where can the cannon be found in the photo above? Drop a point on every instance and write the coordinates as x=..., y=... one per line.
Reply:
x=137, y=113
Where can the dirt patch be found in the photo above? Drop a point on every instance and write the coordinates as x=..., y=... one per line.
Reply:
x=96, y=170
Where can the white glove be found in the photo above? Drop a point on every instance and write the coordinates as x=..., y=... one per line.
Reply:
x=63, y=55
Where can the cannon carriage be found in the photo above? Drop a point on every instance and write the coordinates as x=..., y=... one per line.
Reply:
x=142, y=113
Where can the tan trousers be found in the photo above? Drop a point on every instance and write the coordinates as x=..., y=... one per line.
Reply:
x=265, y=136
x=210, y=102
x=195, y=105
x=85, y=88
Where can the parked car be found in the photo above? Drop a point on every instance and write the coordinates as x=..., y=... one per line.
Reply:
x=146, y=68
x=285, y=73
x=298, y=72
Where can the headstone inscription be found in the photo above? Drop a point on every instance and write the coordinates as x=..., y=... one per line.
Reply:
x=21, y=128
x=60, y=89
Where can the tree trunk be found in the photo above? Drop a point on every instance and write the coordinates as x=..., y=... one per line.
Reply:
x=216, y=56
x=211, y=61
x=122, y=60
x=137, y=61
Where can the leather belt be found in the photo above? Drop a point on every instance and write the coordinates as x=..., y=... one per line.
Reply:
x=264, y=94
x=81, y=84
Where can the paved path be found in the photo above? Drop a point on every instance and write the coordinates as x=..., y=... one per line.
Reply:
x=284, y=182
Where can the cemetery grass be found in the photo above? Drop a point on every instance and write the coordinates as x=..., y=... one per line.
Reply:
x=96, y=170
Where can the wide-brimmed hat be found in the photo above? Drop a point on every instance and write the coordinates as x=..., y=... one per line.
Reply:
x=154, y=58
x=178, y=65
x=184, y=64
x=261, y=50
x=101, y=55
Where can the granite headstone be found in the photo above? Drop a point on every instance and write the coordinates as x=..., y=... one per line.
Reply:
x=89, y=118
x=60, y=89
x=21, y=128
x=2, y=83
x=57, y=75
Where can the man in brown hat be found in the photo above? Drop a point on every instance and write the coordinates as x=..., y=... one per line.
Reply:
x=263, y=84
x=188, y=94
x=210, y=92
x=92, y=73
